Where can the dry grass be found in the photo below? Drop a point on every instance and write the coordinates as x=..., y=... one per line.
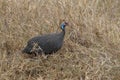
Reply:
x=91, y=48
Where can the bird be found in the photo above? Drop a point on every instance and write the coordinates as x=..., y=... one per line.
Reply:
x=47, y=44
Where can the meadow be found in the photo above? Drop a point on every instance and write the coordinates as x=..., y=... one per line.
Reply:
x=91, y=49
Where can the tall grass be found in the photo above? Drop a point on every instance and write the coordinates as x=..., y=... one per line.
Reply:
x=91, y=49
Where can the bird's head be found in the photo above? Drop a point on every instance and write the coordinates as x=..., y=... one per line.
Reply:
x=63, y=25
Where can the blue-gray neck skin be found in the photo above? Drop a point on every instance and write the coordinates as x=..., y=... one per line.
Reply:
x=63, y=29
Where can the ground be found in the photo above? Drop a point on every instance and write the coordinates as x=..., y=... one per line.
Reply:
x=91, y=49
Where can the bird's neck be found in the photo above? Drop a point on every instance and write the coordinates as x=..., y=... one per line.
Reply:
x=62, y=33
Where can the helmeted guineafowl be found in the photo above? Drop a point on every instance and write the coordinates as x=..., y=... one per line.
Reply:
x=49, y=43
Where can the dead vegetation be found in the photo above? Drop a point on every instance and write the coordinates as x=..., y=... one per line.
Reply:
x=91, y=48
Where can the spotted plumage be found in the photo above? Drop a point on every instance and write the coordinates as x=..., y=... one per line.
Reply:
x=49, y=43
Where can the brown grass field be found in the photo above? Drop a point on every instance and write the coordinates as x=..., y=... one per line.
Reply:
x=91, y=49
